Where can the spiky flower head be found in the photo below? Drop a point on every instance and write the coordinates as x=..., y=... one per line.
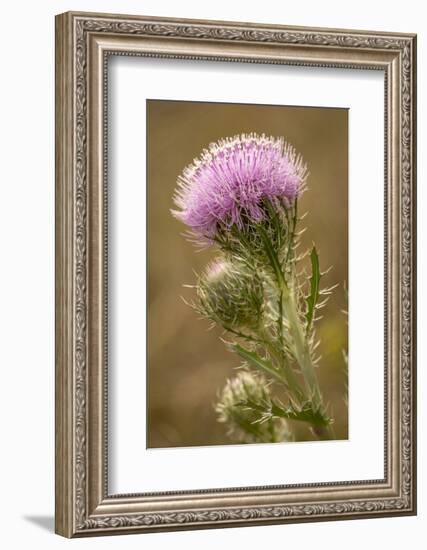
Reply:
x=237, y=407
x=231, y=295
x=228, y=184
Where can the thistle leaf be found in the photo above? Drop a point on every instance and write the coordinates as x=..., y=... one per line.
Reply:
x=256, y=361
x=272, y=257
x=306, y=413
x=312, y=298
x=274, y=409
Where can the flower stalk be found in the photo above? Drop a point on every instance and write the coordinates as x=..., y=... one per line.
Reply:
x=302, y=351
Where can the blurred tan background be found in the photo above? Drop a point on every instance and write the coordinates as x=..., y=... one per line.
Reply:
x=187, y=363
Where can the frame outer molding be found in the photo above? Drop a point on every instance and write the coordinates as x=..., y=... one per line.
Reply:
x=83, y=506
x=64, y=280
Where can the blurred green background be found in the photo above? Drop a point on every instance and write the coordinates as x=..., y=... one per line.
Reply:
x=187, y=363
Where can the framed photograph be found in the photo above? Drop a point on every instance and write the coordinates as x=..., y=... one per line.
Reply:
x=235, y=274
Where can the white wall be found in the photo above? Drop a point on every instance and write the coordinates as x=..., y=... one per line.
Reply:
x=27, y=267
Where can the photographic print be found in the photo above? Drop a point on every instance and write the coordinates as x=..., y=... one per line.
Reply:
x=247, y=286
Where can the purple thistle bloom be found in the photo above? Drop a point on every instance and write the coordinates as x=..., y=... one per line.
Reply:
x=229, y=182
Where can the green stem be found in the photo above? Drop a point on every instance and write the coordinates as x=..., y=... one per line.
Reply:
x=288, y=306
x=305, y=362
x=287, y=309
x=286, y=369
x=301, y=347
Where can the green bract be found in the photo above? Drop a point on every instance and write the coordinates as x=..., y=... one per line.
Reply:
x=237, y=407
x=231, y=295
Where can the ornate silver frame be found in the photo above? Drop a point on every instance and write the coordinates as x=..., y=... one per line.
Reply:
x=83, y=42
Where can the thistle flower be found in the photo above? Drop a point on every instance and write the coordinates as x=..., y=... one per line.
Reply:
x=231, y=295
x=228, y=184
x=235, y=408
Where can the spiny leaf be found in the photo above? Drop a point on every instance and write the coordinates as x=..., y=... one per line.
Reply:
x=306, y=413
x=272, y=257
x=312, y=298
x=274, y=409
x=278, y=227
x=256, y=361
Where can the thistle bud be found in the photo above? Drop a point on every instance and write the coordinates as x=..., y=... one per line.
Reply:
x=231, y=295
x=243, y=405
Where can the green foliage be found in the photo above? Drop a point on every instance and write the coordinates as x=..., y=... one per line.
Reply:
x=243, y=421
x=269, y=315
x=312, y=298
x=272, y=408
x=231, y=295
x=272, y=257
x=255, y=361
